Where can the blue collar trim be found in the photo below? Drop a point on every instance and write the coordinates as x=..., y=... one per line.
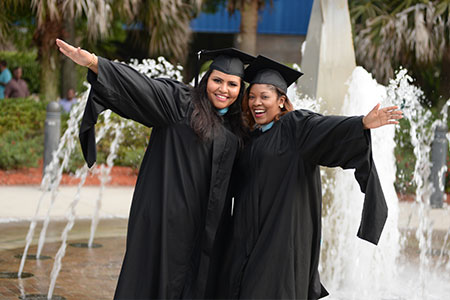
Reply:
x=222, y=111
x=266, y=127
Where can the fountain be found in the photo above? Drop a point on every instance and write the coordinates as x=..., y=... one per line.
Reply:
x=350, y=268
x=60, y=161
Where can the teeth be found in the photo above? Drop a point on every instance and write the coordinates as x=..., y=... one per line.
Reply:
x=259, y=111
x=221, y=97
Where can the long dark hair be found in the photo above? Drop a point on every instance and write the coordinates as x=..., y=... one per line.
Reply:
x=205, y=119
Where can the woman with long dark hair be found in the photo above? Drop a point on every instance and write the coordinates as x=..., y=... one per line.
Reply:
x=274, y=253
x=180, y=200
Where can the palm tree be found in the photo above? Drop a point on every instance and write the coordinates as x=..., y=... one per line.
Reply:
x=249, y=21
x=414, y=34
x=249, y=10
x=166, y=26
x=168, y=22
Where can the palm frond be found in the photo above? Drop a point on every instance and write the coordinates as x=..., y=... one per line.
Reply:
x=167, y=22
x=417, y=33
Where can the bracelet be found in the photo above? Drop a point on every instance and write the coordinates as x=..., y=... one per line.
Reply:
x=92, y=62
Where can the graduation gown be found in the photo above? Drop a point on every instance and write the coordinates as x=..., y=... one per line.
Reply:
x=181, y=188
x=275, y=248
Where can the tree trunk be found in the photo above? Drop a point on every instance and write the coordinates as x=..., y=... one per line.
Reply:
x=249, y=26
x=48, y=57
x=68, y=71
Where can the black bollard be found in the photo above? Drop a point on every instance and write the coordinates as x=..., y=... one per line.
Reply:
x=439, y=149
x=52, y=131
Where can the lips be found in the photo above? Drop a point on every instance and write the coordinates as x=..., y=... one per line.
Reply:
x=221, y=98
x=259, y=112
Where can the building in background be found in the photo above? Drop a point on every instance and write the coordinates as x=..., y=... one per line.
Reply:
x=282, y=29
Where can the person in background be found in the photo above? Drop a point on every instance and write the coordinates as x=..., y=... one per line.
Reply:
x=5, y=77
x=66, y=103
x=17, y=87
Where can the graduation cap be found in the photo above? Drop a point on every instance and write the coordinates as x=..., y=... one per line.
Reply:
x=267, y=71
x=229, y=60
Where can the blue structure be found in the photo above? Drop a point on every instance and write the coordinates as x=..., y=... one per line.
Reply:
x=285, y=17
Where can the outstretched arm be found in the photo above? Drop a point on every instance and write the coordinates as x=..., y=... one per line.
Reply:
x=379, y=117
x=78, y=55
x=130, y=94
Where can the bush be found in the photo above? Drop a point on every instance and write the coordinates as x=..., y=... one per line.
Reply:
x=406, y=160
x=22, y=114
x=30, y=67
x=22, y=137
x=18, y=151
x=21, y=132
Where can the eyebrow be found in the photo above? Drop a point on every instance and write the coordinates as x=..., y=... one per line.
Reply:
x=218, y=77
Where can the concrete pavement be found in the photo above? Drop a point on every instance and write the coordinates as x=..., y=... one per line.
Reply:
x=20, y=202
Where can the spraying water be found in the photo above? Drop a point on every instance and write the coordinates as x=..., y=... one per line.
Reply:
x=352, y=268
x=60, y=163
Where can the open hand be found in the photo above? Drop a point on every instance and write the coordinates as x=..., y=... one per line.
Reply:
x=379, y=117
x=77, y=55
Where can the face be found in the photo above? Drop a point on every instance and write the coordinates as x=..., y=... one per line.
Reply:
x=70, y=93
x=18, y=73
x=222, y=89
x=264, y=103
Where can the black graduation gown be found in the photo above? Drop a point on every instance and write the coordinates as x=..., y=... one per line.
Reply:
x=181, y=189
x=275, y=248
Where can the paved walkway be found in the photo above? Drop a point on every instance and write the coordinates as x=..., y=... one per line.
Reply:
x=20, y=203
x=92, y=273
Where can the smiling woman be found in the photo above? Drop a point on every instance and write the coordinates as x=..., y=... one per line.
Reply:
x=274, y=253
x=181, y=200
x=223, y=89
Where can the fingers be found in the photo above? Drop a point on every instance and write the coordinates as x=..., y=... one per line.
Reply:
x=376, y=107
x=398, y=117
x=62, y=44
x=390, y=108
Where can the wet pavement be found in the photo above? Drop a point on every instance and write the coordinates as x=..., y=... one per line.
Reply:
x=92, y=273
x=86, y=273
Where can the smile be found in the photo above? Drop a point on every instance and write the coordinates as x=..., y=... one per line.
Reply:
x=259, y=112
x=221, y=97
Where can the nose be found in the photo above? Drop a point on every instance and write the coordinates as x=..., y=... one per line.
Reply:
x=222, y=88
x=256, y=101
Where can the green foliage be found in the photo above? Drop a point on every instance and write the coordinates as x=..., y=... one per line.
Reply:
x=132, y=148
x=414, y=34
x=406, y=160
x=18, y=151
x=22, y=114
x=212, y=6
x=21, y=132
x=30, y=67
x=22, y=137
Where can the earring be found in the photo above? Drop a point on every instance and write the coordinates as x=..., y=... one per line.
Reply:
x=281, y=105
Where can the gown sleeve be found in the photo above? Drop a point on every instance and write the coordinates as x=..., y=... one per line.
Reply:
x=334, y=141
x=132, y=95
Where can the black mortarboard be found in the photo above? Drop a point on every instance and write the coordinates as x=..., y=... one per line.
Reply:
x=229, y=60
x=267, y=71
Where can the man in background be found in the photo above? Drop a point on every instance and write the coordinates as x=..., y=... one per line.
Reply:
x=67, y=102
x=17, y=87
x=5, y=77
